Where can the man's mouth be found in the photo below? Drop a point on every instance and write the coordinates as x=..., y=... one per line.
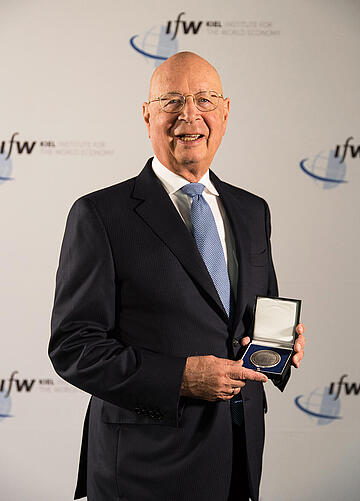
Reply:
x=189, y=137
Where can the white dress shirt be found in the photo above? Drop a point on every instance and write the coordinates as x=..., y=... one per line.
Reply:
x=173, y=183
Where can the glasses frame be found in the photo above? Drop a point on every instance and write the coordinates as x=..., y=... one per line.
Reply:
x=185, y=96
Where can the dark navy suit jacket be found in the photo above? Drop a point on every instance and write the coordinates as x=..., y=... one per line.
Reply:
x=133, y=300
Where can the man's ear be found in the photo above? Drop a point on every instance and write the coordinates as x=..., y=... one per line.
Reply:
x=226, y=112
x=146, y=115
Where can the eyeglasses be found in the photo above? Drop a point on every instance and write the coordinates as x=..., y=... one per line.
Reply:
x=174, y=102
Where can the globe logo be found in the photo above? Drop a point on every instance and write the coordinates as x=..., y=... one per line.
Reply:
x=326, y=170
x=155, y=44
x=320, y=406
x=5, y=168
x=5, y=406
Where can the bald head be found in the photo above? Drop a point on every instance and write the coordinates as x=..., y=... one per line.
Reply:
x=185, y=141
x=188, y=64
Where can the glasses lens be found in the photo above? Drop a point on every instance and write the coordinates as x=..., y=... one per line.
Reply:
x=172, y=103
x=206, y=101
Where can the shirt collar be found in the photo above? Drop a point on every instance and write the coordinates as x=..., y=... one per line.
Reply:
x=173, y=182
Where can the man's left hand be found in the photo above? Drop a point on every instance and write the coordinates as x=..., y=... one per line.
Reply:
x=298, y=348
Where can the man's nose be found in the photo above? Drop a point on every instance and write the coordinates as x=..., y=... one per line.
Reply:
x=189, y=113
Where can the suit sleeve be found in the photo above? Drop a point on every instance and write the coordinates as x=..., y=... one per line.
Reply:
x=274, y=291
x=85, y=347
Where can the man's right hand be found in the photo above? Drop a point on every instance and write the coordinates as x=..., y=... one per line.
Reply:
x=211, y=378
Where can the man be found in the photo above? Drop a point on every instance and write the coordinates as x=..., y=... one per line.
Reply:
x=155, y=290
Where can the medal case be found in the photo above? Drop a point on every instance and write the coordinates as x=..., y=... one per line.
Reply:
x=274, y=324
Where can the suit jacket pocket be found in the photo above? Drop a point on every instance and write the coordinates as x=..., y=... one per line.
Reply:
x=111, y=413
x=258, y=258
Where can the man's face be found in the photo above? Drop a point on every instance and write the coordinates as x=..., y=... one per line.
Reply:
x=186, y=142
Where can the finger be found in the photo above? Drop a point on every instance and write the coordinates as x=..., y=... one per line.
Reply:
x=300, y=343
x=253, y=375
x=235, y=390
x=300, y=328
x=237, y=384
x=296, y=360
x=232, y=394
x=245, y=341
x=237, y=373
x=226, y=397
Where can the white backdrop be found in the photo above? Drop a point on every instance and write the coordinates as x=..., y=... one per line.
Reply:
x=72, y=86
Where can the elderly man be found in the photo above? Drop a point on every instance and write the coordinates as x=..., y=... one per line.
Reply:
x=155, y=289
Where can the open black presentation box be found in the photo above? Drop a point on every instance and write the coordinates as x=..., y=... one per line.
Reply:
x=274, y=332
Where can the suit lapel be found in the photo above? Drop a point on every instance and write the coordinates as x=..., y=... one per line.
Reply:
x=236, y=211
x=158, y=211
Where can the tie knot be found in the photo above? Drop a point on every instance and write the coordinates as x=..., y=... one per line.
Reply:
x=193, y=189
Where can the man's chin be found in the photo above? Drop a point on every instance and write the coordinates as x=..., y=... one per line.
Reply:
x=185, y=159
x=189, y=161
x=190, y=169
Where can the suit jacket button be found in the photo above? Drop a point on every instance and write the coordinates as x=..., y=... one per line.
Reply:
x=235, y=342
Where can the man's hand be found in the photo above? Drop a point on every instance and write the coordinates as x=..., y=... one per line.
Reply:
x=212, y=378
x=299, y=346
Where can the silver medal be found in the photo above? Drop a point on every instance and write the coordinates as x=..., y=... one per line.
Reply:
x=265, y=358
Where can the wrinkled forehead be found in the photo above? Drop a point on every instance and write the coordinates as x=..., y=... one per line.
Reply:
x=186, y=79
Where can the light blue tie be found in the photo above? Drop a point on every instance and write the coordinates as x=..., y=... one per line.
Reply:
x=208, y=241
x=209, y=245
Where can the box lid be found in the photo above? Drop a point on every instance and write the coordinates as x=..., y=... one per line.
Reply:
x=275, y=320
